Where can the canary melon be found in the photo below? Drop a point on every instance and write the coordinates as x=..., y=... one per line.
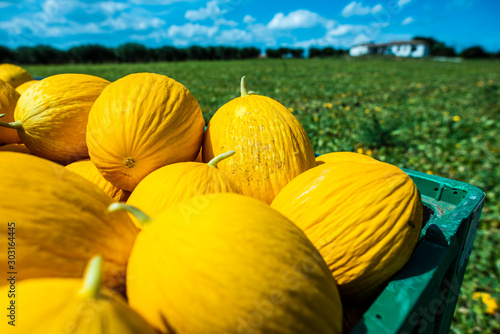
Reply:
x=59, y=220
x=364, y=218
x=24, y=86
x=336, y=157
x=87, y=169
x=272, y=146
x=229, y=264
x=14, y=75
x=51, y=117
x=140, y=123
x=69, y=305
x=172, y=184
x=8, y=100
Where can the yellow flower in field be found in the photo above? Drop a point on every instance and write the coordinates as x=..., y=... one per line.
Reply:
x=360, y=150
x=360, y=93
x=321, y=132
x=290, y=109
x=430, y=172
x=316, y=119
x=369, y=152
x=458, y=145
x=343, y=95
x=456, y=118
x=329, y=105
x=347, y=108
x=367, y=111
x=411, y=101
x=378, y=109
x=480, y=83
x=488, y=300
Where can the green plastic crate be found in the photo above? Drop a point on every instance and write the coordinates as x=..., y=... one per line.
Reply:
x=421, y=298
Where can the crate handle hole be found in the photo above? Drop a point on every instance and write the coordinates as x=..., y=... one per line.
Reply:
x=378, y=316
x=455, y=192
x=435, y=189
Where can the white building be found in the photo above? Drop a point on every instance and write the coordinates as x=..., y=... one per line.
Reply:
x=414, y=48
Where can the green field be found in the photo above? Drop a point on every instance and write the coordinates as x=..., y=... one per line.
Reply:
x=439, y=118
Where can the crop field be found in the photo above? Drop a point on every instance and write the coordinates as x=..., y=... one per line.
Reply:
x=434, y=117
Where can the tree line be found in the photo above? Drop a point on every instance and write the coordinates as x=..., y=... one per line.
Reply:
x=135, y=52
x=128, y=52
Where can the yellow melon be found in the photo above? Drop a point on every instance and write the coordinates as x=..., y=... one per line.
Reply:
x=87, y=169
x=140, y=123
x=51, y=117
x=229, y=264
x=69, y=305
x=24, y=86
x=174, y=183
x=8, y=101
x=59, y=220
x=14, y=75
x=272, y=146
x=364, y=218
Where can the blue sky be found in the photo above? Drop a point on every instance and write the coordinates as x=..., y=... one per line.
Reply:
x=260, y=23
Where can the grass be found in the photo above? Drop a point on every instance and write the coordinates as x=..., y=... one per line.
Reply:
x=440, y=118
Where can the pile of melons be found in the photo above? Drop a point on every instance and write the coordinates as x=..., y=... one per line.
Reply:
x=132, y=216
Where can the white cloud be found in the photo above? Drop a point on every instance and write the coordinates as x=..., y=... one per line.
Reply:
x=157, y=2
x=212, y=11
x=377, y=8
x=248, y=19
x=298, y=19
x=356, y=8
x=111, y=7
x=134, y=21
x=340, y=30
x=190, y=30
x=406, y=21
x=401, y=3
x=223, y=22
x=234, y=36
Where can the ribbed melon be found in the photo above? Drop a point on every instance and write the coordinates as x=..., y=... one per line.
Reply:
x=272, y=146
x=365, y=219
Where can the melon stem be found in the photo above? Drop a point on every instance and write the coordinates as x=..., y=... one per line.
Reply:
x=143, y=218
x=92, y=278
x=243, y=88
x=213, y=163
x=11, y=125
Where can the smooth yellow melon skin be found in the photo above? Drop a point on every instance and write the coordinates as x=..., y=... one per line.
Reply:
x=61, y=220
x=14, y=75
x=230, y=264
x=272, y=146
x=364, y=218
x=336, y=157
x=170, y=185
x=53, y=115
x=8, y=100
x=60, y=305
x=140, y=123
x=87, y=169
